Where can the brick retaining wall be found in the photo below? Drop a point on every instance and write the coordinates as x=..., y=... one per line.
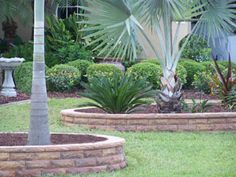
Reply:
x=225, y=121
x=24, y=161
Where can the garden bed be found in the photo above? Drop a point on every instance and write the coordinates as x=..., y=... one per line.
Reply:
x=221, y=121
x=69, y=154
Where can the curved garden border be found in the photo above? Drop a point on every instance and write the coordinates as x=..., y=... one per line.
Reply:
x=224, y=121
x=17, y=161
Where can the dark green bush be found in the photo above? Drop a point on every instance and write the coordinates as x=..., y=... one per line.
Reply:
x=117, y=94
x=102, y=70
x=192, y=67
x=63, y=78
x=148, y=71
x=23, y=51
x=197, y=49
x=202, y=81
x=182, y=74
x=23, y=77
x=82, y=65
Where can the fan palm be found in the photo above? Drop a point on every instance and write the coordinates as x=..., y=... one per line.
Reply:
x=116, y=24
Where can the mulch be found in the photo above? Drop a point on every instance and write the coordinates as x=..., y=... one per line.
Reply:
x=150, y=110
x=187, y=94
x=11, y=139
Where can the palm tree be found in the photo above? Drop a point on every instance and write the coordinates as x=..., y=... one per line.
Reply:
x=116, y=24
x=39, y=129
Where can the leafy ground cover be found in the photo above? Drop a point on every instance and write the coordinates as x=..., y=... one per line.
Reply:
x=151, y=154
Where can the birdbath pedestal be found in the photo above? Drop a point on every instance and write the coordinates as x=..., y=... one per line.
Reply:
x=8, y=65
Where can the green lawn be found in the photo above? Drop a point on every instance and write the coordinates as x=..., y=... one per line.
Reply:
x=148, y=154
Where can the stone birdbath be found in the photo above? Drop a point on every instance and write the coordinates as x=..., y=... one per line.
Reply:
x=9, y=65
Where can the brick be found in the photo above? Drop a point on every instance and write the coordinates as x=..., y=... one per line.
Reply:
x=93, y=153
x=62, y=163
x=72, y=154
x=38, y=164
x=143, y=128
x=158, y=122
x=177, y=122
x=86, y=170
x=97, y=121
x=81, y=120
x=205, y=127
x=167, y=127
x=119, y=150
x=137, y=122
x=4, y=156
x=6, y=165
x=110, y=159
x=231, y=120
x=198, y=121
x=7, y=173
x=35, y=156
x=68, y=119
x=86, y=162
x=187, y=127
x=217, y=121
x=116, y=122
x=221, y=127
x=28, y=173
x=109, y=151
x=53, y=172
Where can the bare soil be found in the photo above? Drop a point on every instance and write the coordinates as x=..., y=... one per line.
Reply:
x=11, y=139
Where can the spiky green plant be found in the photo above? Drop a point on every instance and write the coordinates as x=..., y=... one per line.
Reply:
x=117, y=95
x=118, y=23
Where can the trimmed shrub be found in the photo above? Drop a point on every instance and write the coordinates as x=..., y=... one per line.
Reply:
x=192, y=67
x=153, y=61
x=149, y=71
x=63, y=78
x=102, y=70
x=23, y=77
x=81, y=65
x=202, y=81
x=197, y=49
x=182, y=74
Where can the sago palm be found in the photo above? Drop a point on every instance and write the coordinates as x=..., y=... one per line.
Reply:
x=117, y=23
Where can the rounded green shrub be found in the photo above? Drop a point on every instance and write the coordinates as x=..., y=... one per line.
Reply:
x=23, y=77
x=81, y=65
x=63, y=78
x=154, y=61
x=202, y=81
x=103, y=70
x=149, y=71
x=196, y=49
x=181, y=72
x=192, y=67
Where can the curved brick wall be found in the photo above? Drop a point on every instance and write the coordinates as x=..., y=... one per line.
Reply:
x=24, y=161
x=225, y=121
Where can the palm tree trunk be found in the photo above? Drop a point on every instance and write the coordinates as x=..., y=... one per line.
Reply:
x=39, y=129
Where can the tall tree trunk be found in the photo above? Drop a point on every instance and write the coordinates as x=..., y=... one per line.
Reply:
x=39, y=129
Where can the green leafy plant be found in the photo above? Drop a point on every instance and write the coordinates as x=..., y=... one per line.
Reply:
x=192, y=67
x=82, y=65
x=103, y=70
x=63, y=78
x=196, y=49
x=196, y=107
x=149, y=71
x=202, y=82
x=23, y=77
x=225, y=83
x=117, y=94
x=230, y=99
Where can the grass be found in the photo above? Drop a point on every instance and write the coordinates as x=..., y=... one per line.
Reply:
x=148, y=154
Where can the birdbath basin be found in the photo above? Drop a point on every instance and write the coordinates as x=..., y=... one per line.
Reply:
x=9, y=65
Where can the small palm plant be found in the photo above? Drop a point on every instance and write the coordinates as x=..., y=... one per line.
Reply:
x=117, y=25
x=117, y=94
